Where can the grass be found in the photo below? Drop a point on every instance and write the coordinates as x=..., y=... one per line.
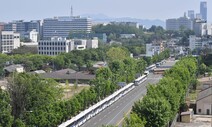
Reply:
x=70, y=91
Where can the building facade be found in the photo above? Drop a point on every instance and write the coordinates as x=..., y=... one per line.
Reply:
x=62, y=26
x=203, y=10
x=23, y=27
x=204, y=102
x=191, y=14
x=9, y=40
x=57, y=45
x=177, y=24
x=53, y=47
x=33, y=35
x=199, y=43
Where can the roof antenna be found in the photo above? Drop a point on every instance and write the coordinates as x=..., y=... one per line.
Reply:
x=71, y=11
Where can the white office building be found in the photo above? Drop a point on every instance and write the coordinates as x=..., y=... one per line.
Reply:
x=33, y=35
x=9, y=40
x=62, y=26
x=57, y=45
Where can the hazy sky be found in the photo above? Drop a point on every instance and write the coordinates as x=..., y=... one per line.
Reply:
x=143, y=9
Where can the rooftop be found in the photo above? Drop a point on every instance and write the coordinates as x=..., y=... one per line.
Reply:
x=13, y=68
x=68, y=74
x=204, y=93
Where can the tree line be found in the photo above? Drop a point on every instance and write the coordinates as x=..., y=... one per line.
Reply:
x=165, y=99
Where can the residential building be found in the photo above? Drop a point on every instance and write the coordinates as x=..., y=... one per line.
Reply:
x=204, y=102
x=177, y=24
x=22, y=27
x=203, y=10
x=59, y=45
x=9, y=40
x=191, y=14
x=152, y=49
x=63, y=26
x=199, y=42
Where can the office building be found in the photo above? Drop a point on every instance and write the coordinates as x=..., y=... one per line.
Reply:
x=9, y=40
x=63, y=26
x=203, y=10
x=191, y=14
x=59, y=45
x=177, y=24
x=53, y=47
x=22, y=27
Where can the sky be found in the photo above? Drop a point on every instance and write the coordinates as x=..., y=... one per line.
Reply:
x=142, y=9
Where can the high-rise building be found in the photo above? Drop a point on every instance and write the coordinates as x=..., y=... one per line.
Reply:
x=177, y=24
x=62, y=26
x=191, y=14
x=22, y=27
x=9, y=40
x=203, y=10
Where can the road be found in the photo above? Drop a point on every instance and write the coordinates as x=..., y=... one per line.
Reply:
x=113, y=115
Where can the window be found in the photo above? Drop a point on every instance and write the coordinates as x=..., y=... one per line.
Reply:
x=199, y=110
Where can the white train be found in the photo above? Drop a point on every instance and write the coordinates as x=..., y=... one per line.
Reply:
x=87, y=114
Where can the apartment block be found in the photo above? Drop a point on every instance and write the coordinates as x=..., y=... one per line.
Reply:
x=9, y=40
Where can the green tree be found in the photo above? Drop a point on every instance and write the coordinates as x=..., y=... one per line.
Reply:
x=202, y=68
x=29, y=92
x=117, y=54
x=155, y=111
x=6, y=119
x=133, y=121
x=140, y=66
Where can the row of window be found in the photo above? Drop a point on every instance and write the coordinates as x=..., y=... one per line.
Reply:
x=49, y=53
x=52, y=43
x=52, y=48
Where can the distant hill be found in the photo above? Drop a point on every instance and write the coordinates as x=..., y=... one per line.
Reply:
x=101, y=18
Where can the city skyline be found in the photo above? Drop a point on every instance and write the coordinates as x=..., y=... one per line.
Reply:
x=26, y=10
